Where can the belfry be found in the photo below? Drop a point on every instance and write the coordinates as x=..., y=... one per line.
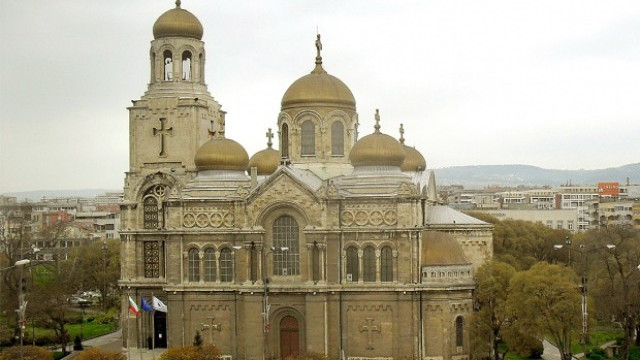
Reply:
x=330, y=244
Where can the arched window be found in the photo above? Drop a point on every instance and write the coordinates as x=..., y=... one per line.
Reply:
x=253, y=253
x=386, y=264
x=150, y=212
x=337, y=138
x=315, y=262
x=210, y=265
x=286, y=235
x=186, y=65
x=459, y=331
x=201, y=63
x=285, y=141
x=193, y=267
x=153, y=68
x=308, y=140
x=369, y=264
x=226, y=265
x=168, y=65
x=352, y=264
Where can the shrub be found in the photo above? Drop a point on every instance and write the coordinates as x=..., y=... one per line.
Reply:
x=77, y=343
x=28, y=353
x=97, y=354
x=106, y=318
x=597, y=354
x=205, y=352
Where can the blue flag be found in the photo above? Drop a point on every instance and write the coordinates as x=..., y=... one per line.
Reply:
x=145, y=305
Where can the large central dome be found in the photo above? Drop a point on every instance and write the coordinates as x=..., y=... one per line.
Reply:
x=177, y=22
x=318, y=87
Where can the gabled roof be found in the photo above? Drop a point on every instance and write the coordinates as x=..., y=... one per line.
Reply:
x=305, y=178
x=444, y=215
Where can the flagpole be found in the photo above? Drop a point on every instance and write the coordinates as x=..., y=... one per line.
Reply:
x=153, y=329
x=127, y=323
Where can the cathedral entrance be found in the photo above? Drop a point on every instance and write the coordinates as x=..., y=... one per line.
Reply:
x=289, y=337
x=160, y=329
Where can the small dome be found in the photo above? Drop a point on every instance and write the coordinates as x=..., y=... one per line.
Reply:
x=266, y=161
x=177, y=22
x=318, y=87
x=440, y=248
x=413, y=161
x=220, y=153
x=377, y=149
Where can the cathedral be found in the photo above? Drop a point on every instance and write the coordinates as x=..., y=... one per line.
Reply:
x=332, y=243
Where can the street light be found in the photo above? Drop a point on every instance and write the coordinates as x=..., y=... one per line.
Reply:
x=265, y=299
x=22, y=304
x=104, y=248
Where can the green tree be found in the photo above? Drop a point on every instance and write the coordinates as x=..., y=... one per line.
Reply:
x=491, y=319
x=615, y=278
x=100, y=262
x=544, y=300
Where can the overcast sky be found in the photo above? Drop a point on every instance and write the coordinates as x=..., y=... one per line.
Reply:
x=554, y=84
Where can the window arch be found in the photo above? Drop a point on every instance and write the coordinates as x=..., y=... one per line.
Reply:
x=386, y=264
x=337, y=138
x=226, y=265
x=286, y=235
x=459, y=331
x=369, y=264
x=308, y=140
x=193, y=267
x=168, y=65
x=210, y=265
x=285, y=141
x=186, y=65
x=352, y=263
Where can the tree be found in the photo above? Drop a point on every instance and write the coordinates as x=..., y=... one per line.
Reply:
x=491, y=318
x=544, y=300
x=615, y=278
x=100, y=262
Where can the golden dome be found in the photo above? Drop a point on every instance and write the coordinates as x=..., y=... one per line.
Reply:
x=441, y=249
x=413, y=161
x=266, y=161
x=318, y=87
x=377, y=149
x=220, y=153
x=177, y=22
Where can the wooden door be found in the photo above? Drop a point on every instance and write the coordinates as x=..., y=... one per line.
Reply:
x=289, y=337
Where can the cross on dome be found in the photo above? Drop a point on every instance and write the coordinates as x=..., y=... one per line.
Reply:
x=319, y=49
x=269, y=137
x=178, y=2
x=402, y=134
x=377, y=125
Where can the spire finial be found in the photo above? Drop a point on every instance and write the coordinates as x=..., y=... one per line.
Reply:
x=377, y=125
x=178, y=3
x=269, y=137
x=319, y=48
x=402, y=134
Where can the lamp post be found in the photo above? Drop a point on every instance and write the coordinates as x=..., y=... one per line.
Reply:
x=266, y=307
x=104, y=249
x=22, y=304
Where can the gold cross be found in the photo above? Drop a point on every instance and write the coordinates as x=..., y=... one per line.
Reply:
x=401, y=134
x=269, y=137
x=377, y=117
x=162, y=132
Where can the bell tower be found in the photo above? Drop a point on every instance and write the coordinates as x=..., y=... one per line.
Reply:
x=177, y=113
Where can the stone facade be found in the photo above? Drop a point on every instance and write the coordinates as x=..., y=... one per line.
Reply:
x=317, y=257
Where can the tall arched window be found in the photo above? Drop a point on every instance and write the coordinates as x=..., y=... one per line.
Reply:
x=226, y=265
x=186, y=65
x=201, y=67
x=352, y=264
x=253, y=253
x=308, y=140
x=459, y=331
x=369, y=264
x=150, y=212
x=286, y=235
x=285, y=141
x=154, y=78
x=193, y=267
x=315, y=262
x=168, y=65
x=337, y=138
x=386, y=264
x=210, y=265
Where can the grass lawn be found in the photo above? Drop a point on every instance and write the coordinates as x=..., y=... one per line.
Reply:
x=88, y=330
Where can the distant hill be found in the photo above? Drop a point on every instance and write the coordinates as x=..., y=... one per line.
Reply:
x=36, y=195
x=480, y=176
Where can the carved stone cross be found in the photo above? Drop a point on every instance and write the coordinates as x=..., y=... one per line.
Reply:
x=369, y=328
x=162, y=132
x=211, y=327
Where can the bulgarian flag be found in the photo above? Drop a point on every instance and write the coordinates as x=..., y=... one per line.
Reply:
x=133, y=307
